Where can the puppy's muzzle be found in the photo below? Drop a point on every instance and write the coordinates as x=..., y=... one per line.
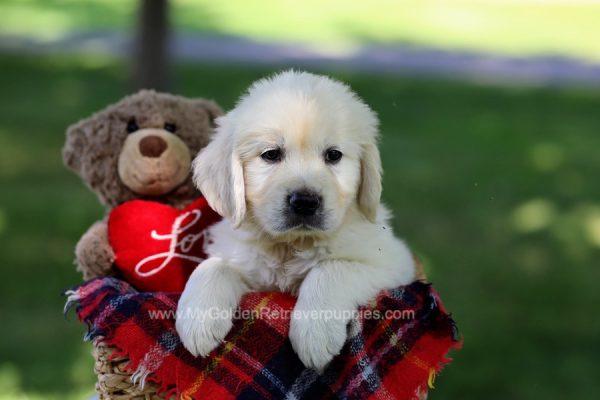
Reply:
x=304, y=203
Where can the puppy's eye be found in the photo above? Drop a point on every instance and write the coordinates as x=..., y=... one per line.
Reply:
x=272, y=156
x=132, y=126
x=170, y=127
x=332, y=156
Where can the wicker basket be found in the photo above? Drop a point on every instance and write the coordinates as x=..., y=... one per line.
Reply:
x=113, y=381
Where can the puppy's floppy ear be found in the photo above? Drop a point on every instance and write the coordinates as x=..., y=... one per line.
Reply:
x=219, y=174
x=369, y=191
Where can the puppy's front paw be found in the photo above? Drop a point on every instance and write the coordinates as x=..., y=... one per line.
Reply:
x=317, y=341
x=201, y=329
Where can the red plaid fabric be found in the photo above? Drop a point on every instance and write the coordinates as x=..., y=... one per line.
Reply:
x=391, y=358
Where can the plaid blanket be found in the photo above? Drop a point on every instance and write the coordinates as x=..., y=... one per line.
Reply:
x=390, y=358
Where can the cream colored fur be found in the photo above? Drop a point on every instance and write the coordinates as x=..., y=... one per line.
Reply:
x=339, y=266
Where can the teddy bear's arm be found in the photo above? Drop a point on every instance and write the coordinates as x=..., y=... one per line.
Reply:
x=94, y=255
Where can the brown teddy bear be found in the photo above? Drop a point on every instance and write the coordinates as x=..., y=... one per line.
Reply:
x=139, y=149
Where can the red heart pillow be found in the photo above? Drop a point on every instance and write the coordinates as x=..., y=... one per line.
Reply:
x=158, y=246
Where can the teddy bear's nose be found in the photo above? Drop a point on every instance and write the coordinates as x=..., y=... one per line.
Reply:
x=152, y=146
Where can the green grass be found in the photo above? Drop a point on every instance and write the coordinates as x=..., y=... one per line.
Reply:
x=508, y=27
x=496, y=189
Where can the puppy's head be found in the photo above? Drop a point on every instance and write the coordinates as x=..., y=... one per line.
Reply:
x=293, y=156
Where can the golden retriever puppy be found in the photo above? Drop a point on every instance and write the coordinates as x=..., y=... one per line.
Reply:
x=295, y=170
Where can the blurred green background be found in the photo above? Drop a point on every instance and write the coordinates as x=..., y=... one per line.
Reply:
x=494, y=185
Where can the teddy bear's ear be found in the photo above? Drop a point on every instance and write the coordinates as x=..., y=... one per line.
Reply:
x=211, y=108
x=83, y=138
x=92, y=150
x=74, y=146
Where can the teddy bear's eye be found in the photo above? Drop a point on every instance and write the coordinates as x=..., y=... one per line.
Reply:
x=132, y=126
x=170, y=127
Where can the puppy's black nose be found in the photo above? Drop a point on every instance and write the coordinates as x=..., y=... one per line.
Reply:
x=304, y=202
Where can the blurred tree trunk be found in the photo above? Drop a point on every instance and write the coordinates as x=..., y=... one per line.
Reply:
x=151, y=64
